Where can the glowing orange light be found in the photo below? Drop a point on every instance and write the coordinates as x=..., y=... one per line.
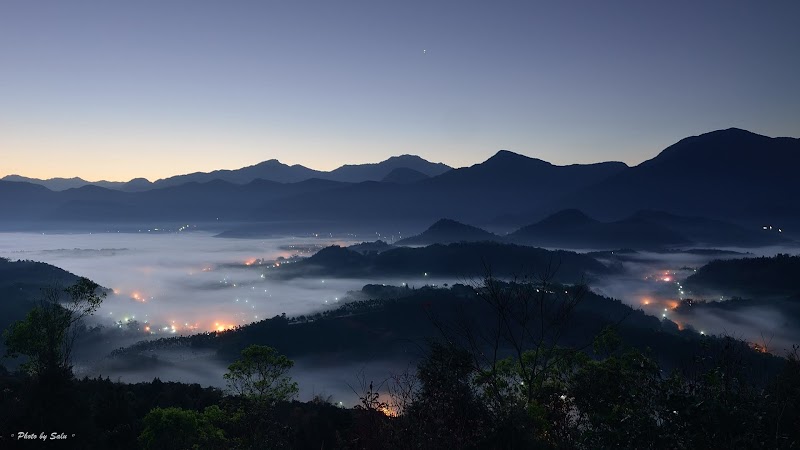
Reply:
x=672, y=304
x=250, y=262
x=222, y=327
x=387, y=411
x=666, y=279
x=646, y=301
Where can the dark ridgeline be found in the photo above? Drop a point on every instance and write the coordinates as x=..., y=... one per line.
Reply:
x=498, y=185
x=356, y=173
x=463, y=259
x=272, y=170
x=62, y=184
x=733, y=174
x=728, y=175
x=573, y=229
x=501, y=184
x=371, y=247
x=777, y=276
x=644, y=230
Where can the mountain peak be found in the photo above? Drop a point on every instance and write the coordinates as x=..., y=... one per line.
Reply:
x=731, y=148
x=446, y=231
x=509, y=158
x=405, y=158
x=507, y=154
x=270, y=163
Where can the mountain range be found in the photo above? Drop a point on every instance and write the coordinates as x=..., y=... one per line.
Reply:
x=409, y=166
x=572, y=228
x=729, y=175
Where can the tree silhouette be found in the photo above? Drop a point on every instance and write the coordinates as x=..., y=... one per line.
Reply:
x=47, y=334
x=260, y=374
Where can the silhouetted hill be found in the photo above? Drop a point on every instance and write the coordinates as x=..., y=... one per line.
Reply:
x=732, y=175
x=409, y=168
x=459, y=260
x=21, y=283
x=61, y=184
x=54, y=184
x=357, y=173
x=573, y=229
x=371, y=247
x=24, y=201
x=404, y=175
x=447, y=231
x=510, y=170
x=272, y=170
x=188, y=201
x=480, y=192
x=764, y=276
x=136, y=185
x=729, y=173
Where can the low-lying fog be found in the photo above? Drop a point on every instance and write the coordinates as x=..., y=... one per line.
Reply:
x=183, y=283
x=190, y=281
x=653, y=283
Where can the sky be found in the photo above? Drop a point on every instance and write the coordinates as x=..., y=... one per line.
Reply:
x=116, y=90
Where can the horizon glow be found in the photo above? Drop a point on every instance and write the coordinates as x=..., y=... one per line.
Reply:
x=151, y=89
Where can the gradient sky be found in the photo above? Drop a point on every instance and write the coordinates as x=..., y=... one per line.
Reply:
x=120, y=89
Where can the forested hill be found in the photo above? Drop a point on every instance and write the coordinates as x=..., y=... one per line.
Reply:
x=466, y=259
x=771, y=276
x=389, y=321
x=21, y=283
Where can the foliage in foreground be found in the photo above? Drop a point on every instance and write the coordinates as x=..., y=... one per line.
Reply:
x=504, y=386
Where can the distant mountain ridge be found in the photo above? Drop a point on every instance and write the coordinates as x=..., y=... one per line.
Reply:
x=62, y=184
x=270, y=170
x=357, y=173
x=731, y=176
x=499, y=185
x=729, y=173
